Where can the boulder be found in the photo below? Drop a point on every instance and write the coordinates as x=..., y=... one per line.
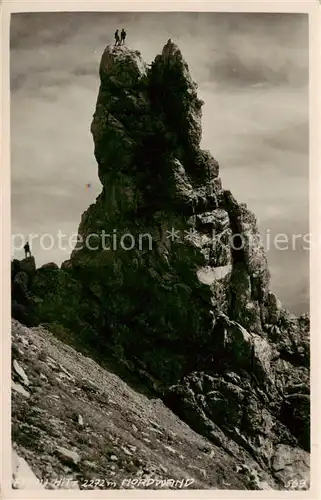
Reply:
x=49, y=265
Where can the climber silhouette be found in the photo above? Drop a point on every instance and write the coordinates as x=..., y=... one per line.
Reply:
x=27, y=249
x=123, y=36
x=117, y=39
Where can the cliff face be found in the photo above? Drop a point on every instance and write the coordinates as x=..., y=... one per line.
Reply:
x=175, y=282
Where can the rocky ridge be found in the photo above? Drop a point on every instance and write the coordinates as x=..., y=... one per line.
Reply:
x=186, y=304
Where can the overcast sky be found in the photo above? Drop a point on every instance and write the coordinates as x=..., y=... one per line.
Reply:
x=252, y=72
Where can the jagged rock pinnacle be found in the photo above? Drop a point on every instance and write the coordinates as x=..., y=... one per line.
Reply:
x=182, y=286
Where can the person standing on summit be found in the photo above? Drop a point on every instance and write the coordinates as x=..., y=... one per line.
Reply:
x=123, y=36
x=27, y=249
x=117, y=39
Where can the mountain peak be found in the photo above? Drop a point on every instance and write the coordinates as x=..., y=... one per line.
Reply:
x=170, y=49
x=121, y=65
x=171, y=275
